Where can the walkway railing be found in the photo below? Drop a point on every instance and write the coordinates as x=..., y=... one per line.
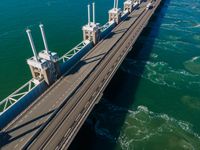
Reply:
x=74, y=51
x=16, y=96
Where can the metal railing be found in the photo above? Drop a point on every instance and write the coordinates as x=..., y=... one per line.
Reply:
x=106, y=26
x=16, y=96
x=74, y=51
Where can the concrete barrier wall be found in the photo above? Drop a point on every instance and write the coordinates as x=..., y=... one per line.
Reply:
x=108, y=30
x=124, y=16
x=112, y=26
x=22, y=104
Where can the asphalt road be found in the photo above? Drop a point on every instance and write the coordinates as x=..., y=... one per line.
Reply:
x=76, y=93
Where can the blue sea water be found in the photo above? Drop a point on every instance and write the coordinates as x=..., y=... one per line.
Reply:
x=153, y=102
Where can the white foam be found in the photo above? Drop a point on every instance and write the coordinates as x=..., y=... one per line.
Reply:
x=143, y=129
x=197, y=26
x=143, y=126
x=162, y=74
x=195, y=58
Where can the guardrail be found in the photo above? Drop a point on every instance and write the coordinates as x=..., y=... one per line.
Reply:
x=74, y=51
x=16, y=96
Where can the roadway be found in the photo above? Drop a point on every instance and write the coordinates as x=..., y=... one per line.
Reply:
x=75, y=94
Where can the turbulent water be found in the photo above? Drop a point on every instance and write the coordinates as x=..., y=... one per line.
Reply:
x=153, y=102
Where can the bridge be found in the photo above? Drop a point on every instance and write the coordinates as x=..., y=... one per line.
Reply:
x=64, y=90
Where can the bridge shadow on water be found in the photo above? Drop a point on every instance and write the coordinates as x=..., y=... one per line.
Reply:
x=121, y=91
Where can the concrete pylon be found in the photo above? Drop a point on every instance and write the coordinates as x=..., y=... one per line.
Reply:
x=91, y=31
x=43, y=66
x=115, y=13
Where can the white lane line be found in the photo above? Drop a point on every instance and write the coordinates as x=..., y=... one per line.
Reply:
x=37, y=123
x=16, y=146
x=21, y=140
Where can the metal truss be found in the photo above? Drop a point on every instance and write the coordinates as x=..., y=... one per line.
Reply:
x=16, y=96
x=106, y=26
x=74, y=51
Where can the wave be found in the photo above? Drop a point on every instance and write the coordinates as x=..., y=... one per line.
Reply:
x=162, y=74
x=191, y=102
x=196, y=26
x=50, y=3
x=197, y=38
x=193, y=65
x=154, y=55
x=144, y=129
x=149, y=128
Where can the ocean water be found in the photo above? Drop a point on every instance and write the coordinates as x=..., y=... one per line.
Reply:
x=152, y=103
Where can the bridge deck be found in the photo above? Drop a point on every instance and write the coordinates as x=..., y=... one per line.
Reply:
x=73, y=91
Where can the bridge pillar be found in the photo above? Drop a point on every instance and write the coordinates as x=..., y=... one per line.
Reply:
x=42, y=69
x=115, y=13
x=128, y=5
x=91, y=31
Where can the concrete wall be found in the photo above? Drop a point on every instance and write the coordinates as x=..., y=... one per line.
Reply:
x=124, y=16
x=112, y=26
x=108, y=30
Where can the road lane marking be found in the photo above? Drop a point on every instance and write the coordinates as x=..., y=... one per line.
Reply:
x=21, y=140
x=16, y=146
x=37, y=123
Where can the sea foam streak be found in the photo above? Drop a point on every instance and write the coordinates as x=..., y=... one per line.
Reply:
x=149, y=128
x=193, y=65
x=161, y=73
x=143, y=128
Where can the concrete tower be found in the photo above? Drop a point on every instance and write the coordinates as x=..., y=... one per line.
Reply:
x=128, y=5
x=91, y=31
x=52, y=57
x=42, y=67
x=115, y=13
